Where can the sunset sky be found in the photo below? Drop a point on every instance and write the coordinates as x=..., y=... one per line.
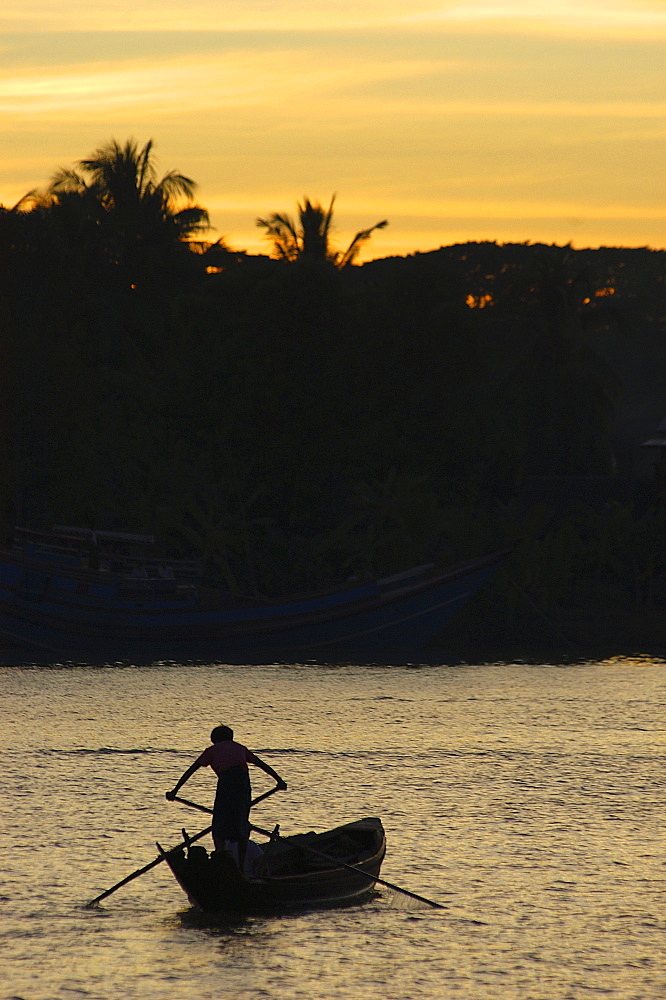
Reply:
x=507, y=120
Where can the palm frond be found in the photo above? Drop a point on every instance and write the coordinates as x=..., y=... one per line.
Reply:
x=177, y=185
x=281, y=231
x=354, y=248
x=67, y=180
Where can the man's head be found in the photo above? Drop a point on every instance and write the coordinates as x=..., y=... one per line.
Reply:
x=221, y=733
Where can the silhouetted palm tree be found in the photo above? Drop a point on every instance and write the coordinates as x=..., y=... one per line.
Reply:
x=309, y=237
x=116, y=191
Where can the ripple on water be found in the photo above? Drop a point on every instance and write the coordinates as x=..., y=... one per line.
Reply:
x=528, y=800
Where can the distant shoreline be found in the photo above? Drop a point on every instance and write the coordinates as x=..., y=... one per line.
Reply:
x=580, y=640
x=569, y=637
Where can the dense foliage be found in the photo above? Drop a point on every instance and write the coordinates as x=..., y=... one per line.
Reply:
x=295, y=422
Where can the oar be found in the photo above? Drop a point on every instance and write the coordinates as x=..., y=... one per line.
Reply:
x=184, y=843
x=146, y=868
x=352, y=868
x=326, y=857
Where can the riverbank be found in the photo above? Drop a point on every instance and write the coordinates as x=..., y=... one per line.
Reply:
x=538, y=635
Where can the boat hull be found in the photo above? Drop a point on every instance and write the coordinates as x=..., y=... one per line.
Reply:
x=79, y=616
x=214, y=884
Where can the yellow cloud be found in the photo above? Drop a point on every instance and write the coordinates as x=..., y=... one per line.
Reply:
x=523, y=208
x=235, y=80
x=575, y=18
x=247, y=79
x=210, y=15
x=238, y=79
x=586, y=16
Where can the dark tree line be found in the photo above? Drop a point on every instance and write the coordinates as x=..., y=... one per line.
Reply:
x=296, y=419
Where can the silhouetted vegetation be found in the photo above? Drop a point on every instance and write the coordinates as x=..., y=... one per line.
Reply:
x=309, y=238
x=296, y=425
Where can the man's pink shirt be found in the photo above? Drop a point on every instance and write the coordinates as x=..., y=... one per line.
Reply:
x=222, y=756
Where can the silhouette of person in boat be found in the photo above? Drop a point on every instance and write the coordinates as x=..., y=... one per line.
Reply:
x=233, y=798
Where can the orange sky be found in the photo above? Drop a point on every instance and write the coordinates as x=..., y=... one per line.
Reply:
x=504, y=120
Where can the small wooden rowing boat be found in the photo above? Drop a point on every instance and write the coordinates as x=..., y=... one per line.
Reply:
x=337, y=867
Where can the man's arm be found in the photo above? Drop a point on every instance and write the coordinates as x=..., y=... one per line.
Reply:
x=270, y=772
x=181, y=781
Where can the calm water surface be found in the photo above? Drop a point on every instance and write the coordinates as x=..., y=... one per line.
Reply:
x=529, y=800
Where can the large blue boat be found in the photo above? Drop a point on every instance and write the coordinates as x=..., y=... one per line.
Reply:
x=74, y=594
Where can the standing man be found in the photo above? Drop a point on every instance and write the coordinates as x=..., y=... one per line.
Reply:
x=233, y=798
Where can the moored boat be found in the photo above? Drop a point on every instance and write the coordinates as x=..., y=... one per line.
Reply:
x=104, y=596
x=333, y=868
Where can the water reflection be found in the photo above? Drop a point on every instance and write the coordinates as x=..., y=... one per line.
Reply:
x=529, y=800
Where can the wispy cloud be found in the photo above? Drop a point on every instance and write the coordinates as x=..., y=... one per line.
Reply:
x=241, y=79
x=380, y=86
x=244, y=78
x=226, y=15
x=598, y=14
x=591, y=16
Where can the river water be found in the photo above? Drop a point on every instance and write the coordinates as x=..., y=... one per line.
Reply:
x=528, y=800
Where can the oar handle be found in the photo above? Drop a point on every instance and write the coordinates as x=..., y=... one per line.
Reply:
x=205, y=809
x=192, y=805
x=260, y=798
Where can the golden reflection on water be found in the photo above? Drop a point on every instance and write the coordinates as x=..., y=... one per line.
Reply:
x=528, y=800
